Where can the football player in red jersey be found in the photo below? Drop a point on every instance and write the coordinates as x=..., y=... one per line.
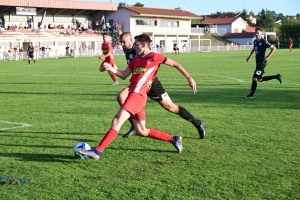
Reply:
x=107, y=56
x=157, y=93
x=291, y=45
x=143, y=68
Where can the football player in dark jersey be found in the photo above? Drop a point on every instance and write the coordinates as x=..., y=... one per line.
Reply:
x=30, y=52
x=259, y=47
x=156, y=93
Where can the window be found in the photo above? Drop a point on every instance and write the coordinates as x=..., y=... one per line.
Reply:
x=146, y=22
x=169, y=23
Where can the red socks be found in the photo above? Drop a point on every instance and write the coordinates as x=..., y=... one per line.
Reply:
x=157, y=135
x=108, y=138
x=112, y=134
x=113, y=77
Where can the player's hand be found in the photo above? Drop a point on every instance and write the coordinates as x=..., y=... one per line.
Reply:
x=105, y=66
x=192, y=84
x=248, y=59
x=102, y=57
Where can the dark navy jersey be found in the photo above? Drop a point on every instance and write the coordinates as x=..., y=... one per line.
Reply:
x=30, y=50
x=260, y=47
x=129, y=55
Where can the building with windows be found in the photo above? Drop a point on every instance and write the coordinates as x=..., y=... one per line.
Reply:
x=164, y=26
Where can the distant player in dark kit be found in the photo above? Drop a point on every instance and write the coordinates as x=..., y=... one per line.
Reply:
x=175, y=49
x=30, y=52
x=259, y=47
x=156, y=93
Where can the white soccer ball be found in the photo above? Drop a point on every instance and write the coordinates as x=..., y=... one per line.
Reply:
x=81, y=146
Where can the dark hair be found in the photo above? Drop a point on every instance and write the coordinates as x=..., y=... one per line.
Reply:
x=104, y=34
x=143, y=38
x=258, y=29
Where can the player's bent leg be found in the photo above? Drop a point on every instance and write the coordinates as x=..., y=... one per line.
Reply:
x=120, y=119
x=183, y=113
x=168, y=105
x=140, y=128
x=122, y=96
x=109, y=137
x=121, y=99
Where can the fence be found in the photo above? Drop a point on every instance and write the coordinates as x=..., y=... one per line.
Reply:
x=56, y=54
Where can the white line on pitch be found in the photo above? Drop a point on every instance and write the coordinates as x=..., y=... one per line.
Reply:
x=22, y=125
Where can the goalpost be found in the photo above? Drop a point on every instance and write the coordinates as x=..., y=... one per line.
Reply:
x=203, y=45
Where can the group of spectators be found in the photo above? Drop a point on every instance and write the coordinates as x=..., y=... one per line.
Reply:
x=12, y=53
x=13, y=27
x=18, y=53
x=109, y=26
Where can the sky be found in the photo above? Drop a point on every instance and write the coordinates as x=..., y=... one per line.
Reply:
x=206, y=7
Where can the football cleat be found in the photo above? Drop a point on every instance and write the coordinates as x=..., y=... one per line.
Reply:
x=201, y=129
x=177, y=142
x=115, y=83
x=249, y=97
x=94, y=154
x=131, y=132
x=279, y=78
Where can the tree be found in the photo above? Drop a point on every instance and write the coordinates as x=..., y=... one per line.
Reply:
x=265, y=20
x=246, y=17
x=290, y=28
x=251, y=13
x=138, y=4
x=123, y=4
x=178, y=8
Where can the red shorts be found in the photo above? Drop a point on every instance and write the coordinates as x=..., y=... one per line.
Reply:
x=110, y=60
x=135, y=105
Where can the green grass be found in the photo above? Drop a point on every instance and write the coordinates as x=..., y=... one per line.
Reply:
x=251, y=150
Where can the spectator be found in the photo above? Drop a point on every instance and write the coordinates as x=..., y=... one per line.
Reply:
x=29, y=21
x=89, y=24
x=21, y=27
x=48, y=49
x=67, y=50
x=43, y=49
x=1, y=51
x=21, y=53
x=71, y=50
x=80, y=51
x=184, y=47
x=15, y=52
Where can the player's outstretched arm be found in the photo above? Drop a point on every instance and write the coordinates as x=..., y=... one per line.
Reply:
x=249, y=57
x=176, y=65
x=122, y=74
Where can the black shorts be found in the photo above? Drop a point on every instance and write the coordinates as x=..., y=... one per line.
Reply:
x=175, y=49
x=260, y=70
x=157, y=92
x=30, y=55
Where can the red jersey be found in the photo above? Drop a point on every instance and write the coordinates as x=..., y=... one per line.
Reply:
x=291, y=42
x=106, y=47
x=144, y=70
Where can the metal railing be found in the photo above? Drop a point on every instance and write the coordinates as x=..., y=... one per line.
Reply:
x=58, y=54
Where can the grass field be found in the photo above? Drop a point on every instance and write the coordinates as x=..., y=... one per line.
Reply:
x=251, y=150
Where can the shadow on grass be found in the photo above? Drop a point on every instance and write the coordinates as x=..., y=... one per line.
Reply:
x=60, y=93
x=280, y=98
x=39, y=157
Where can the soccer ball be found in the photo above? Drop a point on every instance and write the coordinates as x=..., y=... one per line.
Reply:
x=81, y=146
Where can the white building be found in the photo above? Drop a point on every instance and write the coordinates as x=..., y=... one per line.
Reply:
x=164, y=26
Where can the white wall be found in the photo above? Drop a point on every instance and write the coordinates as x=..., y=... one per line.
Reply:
x=239, y=24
